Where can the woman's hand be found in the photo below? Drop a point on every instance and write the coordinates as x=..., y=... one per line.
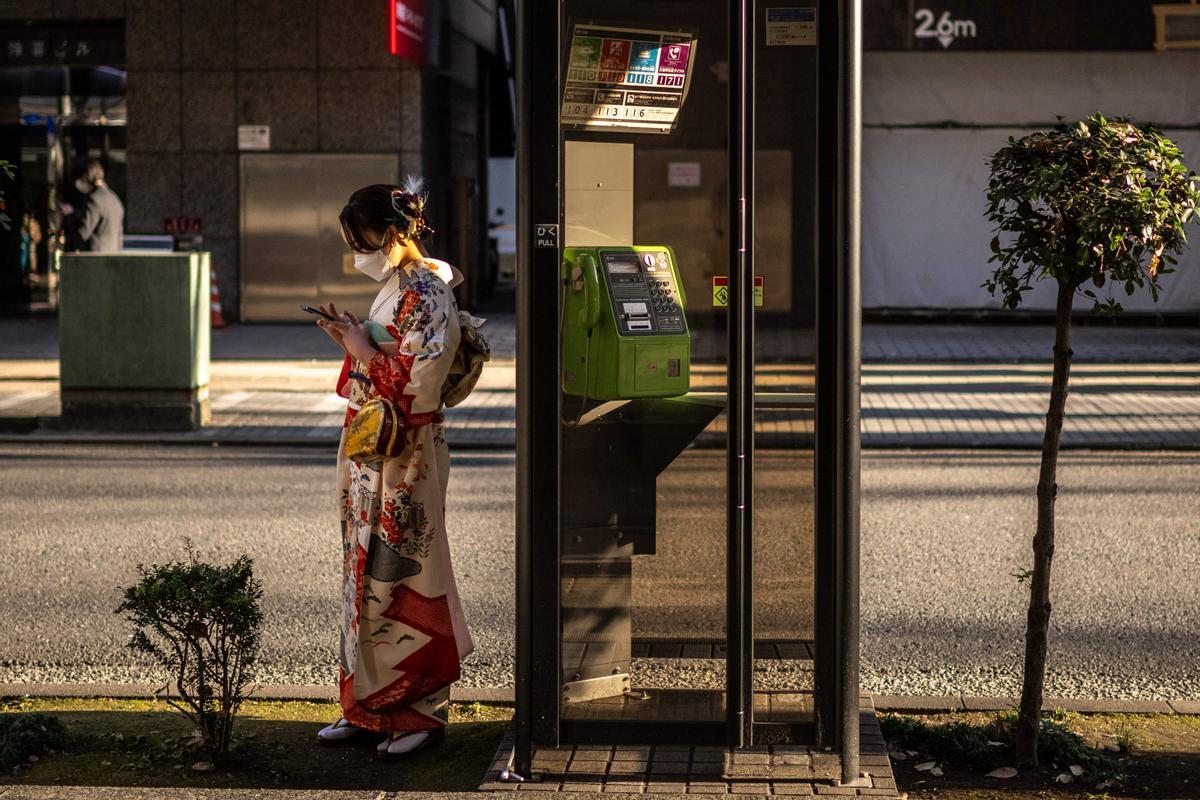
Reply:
x=351, y=334
x=330, y=329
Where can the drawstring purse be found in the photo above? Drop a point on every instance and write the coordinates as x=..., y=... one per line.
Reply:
x=376, y=433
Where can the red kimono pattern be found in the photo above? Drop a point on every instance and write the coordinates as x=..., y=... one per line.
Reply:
x=403, y=632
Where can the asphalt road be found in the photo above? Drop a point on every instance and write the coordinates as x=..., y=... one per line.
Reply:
x=942, y=533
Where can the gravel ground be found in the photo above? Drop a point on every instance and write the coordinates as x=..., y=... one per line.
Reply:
x=950, y=529
x=78, y=522
x=941, y=534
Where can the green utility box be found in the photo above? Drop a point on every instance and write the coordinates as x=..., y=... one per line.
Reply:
x=134, y=334
x=624, y=331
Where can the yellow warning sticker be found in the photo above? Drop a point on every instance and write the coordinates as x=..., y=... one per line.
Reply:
x=720, y=291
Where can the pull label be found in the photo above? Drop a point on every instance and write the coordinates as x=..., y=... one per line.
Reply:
x=545, y=236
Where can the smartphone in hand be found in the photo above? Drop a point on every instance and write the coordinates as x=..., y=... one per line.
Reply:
x=318, y=312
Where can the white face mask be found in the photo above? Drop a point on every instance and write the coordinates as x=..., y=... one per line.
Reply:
x=373, y=265
x=83, y=186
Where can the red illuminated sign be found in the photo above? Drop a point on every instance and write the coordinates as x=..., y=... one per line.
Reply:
x=406, y=26
x=182, y=224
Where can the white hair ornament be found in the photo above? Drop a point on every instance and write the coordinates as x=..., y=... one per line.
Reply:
x=408, y=201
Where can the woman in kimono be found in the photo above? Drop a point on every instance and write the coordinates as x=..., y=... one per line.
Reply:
x=403, y=633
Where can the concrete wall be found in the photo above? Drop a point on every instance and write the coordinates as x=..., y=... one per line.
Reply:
x=317, y=71
x=62, y=9
x=931, y=122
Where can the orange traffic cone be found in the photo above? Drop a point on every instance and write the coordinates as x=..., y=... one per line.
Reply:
x=218, y=321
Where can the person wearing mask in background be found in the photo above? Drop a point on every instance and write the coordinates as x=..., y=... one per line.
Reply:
x=98, y=224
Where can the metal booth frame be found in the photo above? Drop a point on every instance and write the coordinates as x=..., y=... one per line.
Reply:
x=539, y=445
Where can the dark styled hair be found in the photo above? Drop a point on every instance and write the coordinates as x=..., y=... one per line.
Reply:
x=91, y=171
x=372, y=209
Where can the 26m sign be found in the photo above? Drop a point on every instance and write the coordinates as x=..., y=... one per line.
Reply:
x=945, y=28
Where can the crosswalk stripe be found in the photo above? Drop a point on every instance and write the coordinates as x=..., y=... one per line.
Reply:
x=221, y=402
x=25, y=397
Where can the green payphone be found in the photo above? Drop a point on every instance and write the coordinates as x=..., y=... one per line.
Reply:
x=624, y=334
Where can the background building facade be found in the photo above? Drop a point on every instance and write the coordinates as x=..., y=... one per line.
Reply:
x=158, y=90
x=947, y=82
x=317, y=74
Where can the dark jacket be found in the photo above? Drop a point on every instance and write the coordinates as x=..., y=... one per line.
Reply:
x=99, y=224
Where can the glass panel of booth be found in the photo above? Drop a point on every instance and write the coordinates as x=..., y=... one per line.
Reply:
x=643, y=567
x=644, y=351
x=785, y=386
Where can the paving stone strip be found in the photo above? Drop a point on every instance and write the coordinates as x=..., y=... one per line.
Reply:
x=792, y=770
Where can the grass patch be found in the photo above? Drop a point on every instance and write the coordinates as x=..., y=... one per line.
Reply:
x=147, y=743
x=1163, y=761
x=986, y=744
x=25, y=736
x=1141, y=733
x=1060, y=745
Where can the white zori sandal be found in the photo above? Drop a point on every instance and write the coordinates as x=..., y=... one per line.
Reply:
x=340, y=732
x=399, y=745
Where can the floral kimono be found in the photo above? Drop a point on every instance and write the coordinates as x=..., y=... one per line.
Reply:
x=403, y=632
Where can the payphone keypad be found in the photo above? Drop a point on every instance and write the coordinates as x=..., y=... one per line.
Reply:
x=645, y=295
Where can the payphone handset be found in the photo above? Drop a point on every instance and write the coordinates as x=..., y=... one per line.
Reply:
x=624, y=333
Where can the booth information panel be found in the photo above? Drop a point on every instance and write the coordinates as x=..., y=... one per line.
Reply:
x=644, y=555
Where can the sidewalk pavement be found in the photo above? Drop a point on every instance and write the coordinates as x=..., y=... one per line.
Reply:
x=924, y=386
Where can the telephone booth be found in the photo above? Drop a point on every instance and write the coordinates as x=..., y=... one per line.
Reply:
x=688, y=371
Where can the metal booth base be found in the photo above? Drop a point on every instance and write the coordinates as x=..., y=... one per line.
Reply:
x=790, y=770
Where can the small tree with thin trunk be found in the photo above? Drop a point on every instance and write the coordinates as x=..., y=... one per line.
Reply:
x=1093, y=205
x=202, y=623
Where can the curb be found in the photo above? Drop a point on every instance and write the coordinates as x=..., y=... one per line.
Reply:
x=942, y=704
x=216, y=440
x=1017, y=447
x=316, y=694
x=870, y=443
x=504, y=696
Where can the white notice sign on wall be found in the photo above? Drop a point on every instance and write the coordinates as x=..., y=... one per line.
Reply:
x=254, y=137
x=791, y=27
x=683, y=173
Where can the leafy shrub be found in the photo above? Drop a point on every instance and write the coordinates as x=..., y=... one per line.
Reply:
x=904, y=730
x=957, y=742
x=1058, y=745
x=25, y=735
x=967, y=744
x=201, y=623
x=970, y=744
